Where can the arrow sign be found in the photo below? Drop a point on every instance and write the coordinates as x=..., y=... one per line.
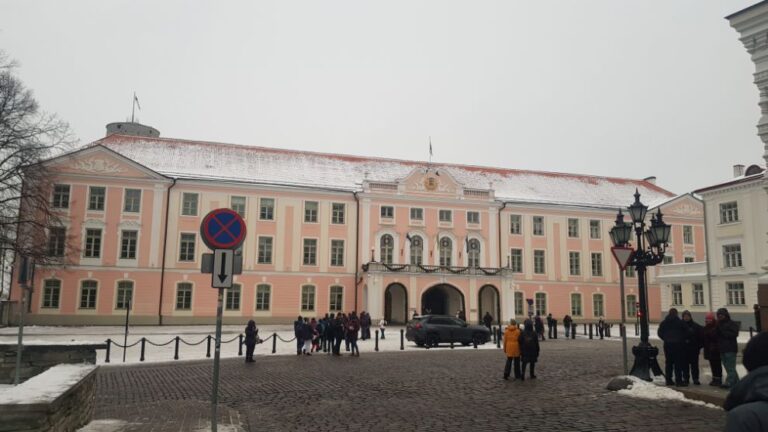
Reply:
x=623, y=255
x=222, y=268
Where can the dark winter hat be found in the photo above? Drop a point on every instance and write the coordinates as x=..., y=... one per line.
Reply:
x=756, y=352
x=724, y=312
x=687, y=312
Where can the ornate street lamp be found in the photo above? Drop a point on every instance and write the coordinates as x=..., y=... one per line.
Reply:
x=651, y=242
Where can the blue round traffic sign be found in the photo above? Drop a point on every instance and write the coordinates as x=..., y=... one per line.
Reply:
x=223, y=229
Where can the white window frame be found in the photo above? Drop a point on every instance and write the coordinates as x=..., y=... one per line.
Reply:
x=516, y=224
x=312, y=293
x=543, y=260
x=476, y=213
x=194, y=247
x=676, y=294
x=94, y=297
x=580, y=304
x=191, y=295
x=46, y=299
x=735, y=291
x=571, y=255
x=308, y=216
x=135, y=246
x=540, y=224
x=729, y=212
x=688, y=229
x=268, y=295
x=596, y=264
x=595, y=235
x=512, y=256
x=269, y=259
x=573, y=233
x=232, y=198
x=91, y=195
x=339, y=296
x=598, y=312
x=334, y=218
x=125, y=200
x=333, y=255
x=56, y=196
x=184, y=207
x=304, y=251
x=261, y=207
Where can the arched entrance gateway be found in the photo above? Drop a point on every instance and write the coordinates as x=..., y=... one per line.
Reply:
x=442, y=299
x=396, y=304
x=488, y=299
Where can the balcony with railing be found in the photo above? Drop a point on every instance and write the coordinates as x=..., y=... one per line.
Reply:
x=378, y=267
x=681, y=271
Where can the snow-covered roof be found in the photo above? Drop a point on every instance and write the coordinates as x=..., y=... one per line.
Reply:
x=180, y=158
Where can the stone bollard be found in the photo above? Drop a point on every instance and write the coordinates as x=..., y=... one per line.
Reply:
x=109, y=348
x=240, y=344
x=585, y=329
x=208, y=347
x=498, y=338
x=143, y=344
x=176, y=349
x=377, y=341
x=590, y=330
x=554, y=330
x=274, y=343
x=402, y=337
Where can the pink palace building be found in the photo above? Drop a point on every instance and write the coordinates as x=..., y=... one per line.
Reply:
x=330, y=232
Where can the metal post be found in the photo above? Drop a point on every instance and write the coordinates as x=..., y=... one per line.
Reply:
x=498, y=337
x=758, y=322
x=125, y=337
x=573, y=332
x=585, y=329
x=208, y=348
x=143, y=345
x=240, y=345
x=176, y=349
x=20, y=345
x=555, y=329
x=402, y=335
x=377, y=341
x=590, y=330
x=451, y=334
x=274, y=343
x=216, y=357
x=109, y=348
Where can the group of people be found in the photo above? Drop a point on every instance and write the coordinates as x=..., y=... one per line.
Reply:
x=684, y=339
x=327, y=333
x=521, y=348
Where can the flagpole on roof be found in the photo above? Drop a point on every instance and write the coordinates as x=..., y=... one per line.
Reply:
x=133, y=107
x=430, y=149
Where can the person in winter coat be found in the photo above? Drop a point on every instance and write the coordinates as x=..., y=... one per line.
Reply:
x=727, y=334
x=601, y=327
x=338, y=334
x=315, y=335
x=691, y=347
x=488, y=320
x=382, y=327
x=365, y=325
x=747, y=403
x=672, y=332
x=251, y=334
x=529, y=349
x=297, y=333
x=550, y=324
x=306, y=336
x=567, y=321
x=512, y=349
x=539, y=326
x=353, y=326
x=711, y=352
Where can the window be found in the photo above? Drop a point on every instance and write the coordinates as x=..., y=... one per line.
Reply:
x=519, y=302
x=233, y=298
x=729, y=212
x=538, y=262
x=594, y=229
x=538, y=225
x=677, y=294
x=515, y=224
x=263, y=292
x=631, y=306
x=417, y=250
x=688, y=259
x=51, y=293
x=667, y=259
x=445, y=216
x=189, y=204
x=88, y=294
x=124, y=296
x=516, y=260
x=337, y=253
x=386, y=249
x=540, y=302
x=598, y=305
x=597, y=264
x=310, y=252
x=732, y=255
x=57, y=238
x=446, y=251
x=473, y=217
x=187, y=247
x=310, y=211
x=307, y=298
x=336, y=303
x=417, y=214
x=96, y=196
x=265, y=251
x=92, y=243
x=184, y=296
x=473, y=254
x=629, y=271
x=128, y=241
x=387, y=212
x=237, y=204
x=574, y=263
x=60, y=196
x=698, y=294
x=575, y=304
x=735, y=293
x=687, y=234
x=132, y=201
x=338, y=212
x=267, y=209
x=573, y=228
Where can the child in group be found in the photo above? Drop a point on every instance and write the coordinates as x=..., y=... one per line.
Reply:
x=529, y=349
x=382, y=327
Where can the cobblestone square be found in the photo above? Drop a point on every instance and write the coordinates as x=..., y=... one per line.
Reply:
x=428, y=390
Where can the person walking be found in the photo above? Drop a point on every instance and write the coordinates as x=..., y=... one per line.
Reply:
x=672, y=332
x=353, y=326
x=488, y=320
x=344, y=322
x=567, y=320
x=727, y=334
x=539, y=327
x=512, y=349
x=747, y=403
x=601, y=327
x=691, y=346
x=382, y=327
x=315, y=335
x=297, y=333
x=711, y=352
x=550, y=324
x=338, y=334
x=251, y=334
x=529, y=349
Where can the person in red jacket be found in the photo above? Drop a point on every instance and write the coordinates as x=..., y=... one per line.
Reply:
x=711, y=351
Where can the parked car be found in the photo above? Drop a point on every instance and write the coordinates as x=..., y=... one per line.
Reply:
x=431, y=330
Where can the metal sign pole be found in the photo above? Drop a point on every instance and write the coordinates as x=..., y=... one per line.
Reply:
x=623, y=322
x=217, y=354
x=125, y=338
x=20, y=345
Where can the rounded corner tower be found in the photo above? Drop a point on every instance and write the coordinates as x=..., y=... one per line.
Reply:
x=131, y=128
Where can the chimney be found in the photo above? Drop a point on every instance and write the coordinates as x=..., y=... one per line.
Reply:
x=651, y=180
x=738, y=170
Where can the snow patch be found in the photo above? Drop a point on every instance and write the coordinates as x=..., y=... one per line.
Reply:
x=220, y=427
x=105, y=425
x=645, y=390
x=47, y=386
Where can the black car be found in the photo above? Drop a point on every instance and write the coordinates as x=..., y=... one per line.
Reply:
x=431, y=330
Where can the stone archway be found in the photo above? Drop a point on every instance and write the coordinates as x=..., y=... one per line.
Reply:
x=489, y=301
x=396, y=304
x=442, y=299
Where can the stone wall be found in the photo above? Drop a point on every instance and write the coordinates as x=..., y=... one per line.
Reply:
x=68, y=412
x=35, y=359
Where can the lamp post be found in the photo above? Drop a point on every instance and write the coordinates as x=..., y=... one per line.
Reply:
x=650, y=244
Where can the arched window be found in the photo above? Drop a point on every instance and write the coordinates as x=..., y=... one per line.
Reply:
x=386, y=248
x=576, y=304
x=446, y=250
x=336, y=303
x=540, y=303
x=417, y=250
x=263, y=293
x=232, y=300
x=307, y=298
x=473, y=254
x=88, y=290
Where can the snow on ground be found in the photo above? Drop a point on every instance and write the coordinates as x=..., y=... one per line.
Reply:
x=645, y=390
x=220, y=427
x=106, y=425
x=46, y=386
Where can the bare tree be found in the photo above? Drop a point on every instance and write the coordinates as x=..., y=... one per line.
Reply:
x=28, y=136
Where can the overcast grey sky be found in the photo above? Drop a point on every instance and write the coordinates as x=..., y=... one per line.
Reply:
x=603, y=87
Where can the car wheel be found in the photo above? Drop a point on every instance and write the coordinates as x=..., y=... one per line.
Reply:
x=465, y=343
x=432, y=340
x=478, y=339
x=419, y=344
